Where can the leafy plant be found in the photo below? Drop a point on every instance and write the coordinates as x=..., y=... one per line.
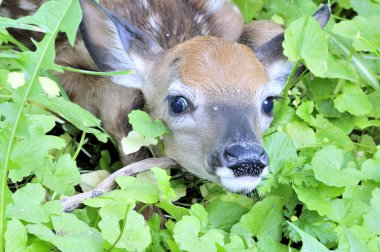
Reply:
x=323, y=190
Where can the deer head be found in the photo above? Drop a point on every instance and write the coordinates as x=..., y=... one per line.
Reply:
x=216, y=96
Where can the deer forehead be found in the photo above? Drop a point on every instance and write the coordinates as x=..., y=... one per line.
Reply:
x=218, y=67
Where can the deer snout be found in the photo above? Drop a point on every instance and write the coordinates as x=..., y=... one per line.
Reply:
x=245, y=160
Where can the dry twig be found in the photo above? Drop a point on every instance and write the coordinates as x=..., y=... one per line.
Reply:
x=71, y=203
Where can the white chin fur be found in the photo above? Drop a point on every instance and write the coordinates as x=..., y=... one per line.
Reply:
x=244, y=184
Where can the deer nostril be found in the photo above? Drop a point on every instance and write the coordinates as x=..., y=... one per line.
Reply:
x=264, y=159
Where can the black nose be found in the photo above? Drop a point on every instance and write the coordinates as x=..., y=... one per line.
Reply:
x=245, y=160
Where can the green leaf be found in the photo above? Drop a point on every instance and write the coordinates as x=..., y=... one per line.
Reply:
x=70, y=234
x=265, y=218
x=363, y=31
x=133, y=234
x=29, y=205
x=353, y=100
x=327, y=166
x=372, y=218
x=366, y=7
x=249, y=8
x=224, y=212
x=290, y=10
x=79, y=117
x=374, y=98
x=305, y=40
x=163, y=182
x=309, y=243
x=143, y=124
x=139, y=190
x=301, y=135
x=371, y=168
x=313, y=199
x=279, y=148
x=29, y=155
x=61, y=176
x=199, y=211
x=187, y=236
x=16, y=236
x=134, y=141
x=350, y=242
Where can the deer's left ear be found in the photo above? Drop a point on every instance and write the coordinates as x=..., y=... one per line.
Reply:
x=271, y=53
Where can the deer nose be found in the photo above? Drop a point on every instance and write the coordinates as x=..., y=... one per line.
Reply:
x=245, y=160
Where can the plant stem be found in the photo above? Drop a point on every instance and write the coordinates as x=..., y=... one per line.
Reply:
x=80, y=144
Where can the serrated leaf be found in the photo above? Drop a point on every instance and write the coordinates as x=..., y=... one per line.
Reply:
x=371, y=168
x=309, y=243
x=199, y=212
x=372, y=218
x=29, y=205
x=70, y=234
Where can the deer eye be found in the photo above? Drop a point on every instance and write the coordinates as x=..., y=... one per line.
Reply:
x=268, y=104
x=178, y=104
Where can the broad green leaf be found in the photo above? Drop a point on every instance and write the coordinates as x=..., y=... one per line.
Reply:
x=347, y=212
x=372, y=218
x=350, y=242
x=309, y=243
x=224, y=212
x=174, y=211
x=301, y=135
x=327, y=165
x=366, y=7
x=16, y=236
x=266, y=243
x=279, y=148
x=143, y=124
x=328, y=133
x=187, y=236
x=29, y=155
x=363, y=31
x=139, y=190
x=265, y=218
x=134, y=141
x=371, y=168
x=374, y=98
x=305, y=111
x=163, y=182
x=79, y=117
x=60, y=176
x=249, y=8
x=199, y=211
x=29, y=205
x=305, y=40
x=290, y=10
x=70, y=234
x=353, y=100
x=134, y=233
x=313, y=199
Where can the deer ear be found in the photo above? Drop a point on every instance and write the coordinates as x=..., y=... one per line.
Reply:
x=116, y=45
x=271, y=53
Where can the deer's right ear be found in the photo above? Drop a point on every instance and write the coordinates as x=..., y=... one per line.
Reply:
x=116, y=45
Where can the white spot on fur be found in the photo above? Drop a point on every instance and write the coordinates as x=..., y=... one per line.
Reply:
x=244, y=184
x=154, y=23
x=27, y=5
x=216, y=108
x=214, y=5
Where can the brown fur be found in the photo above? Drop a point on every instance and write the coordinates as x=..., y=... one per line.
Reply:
x=182, y=20
x=258, y=32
